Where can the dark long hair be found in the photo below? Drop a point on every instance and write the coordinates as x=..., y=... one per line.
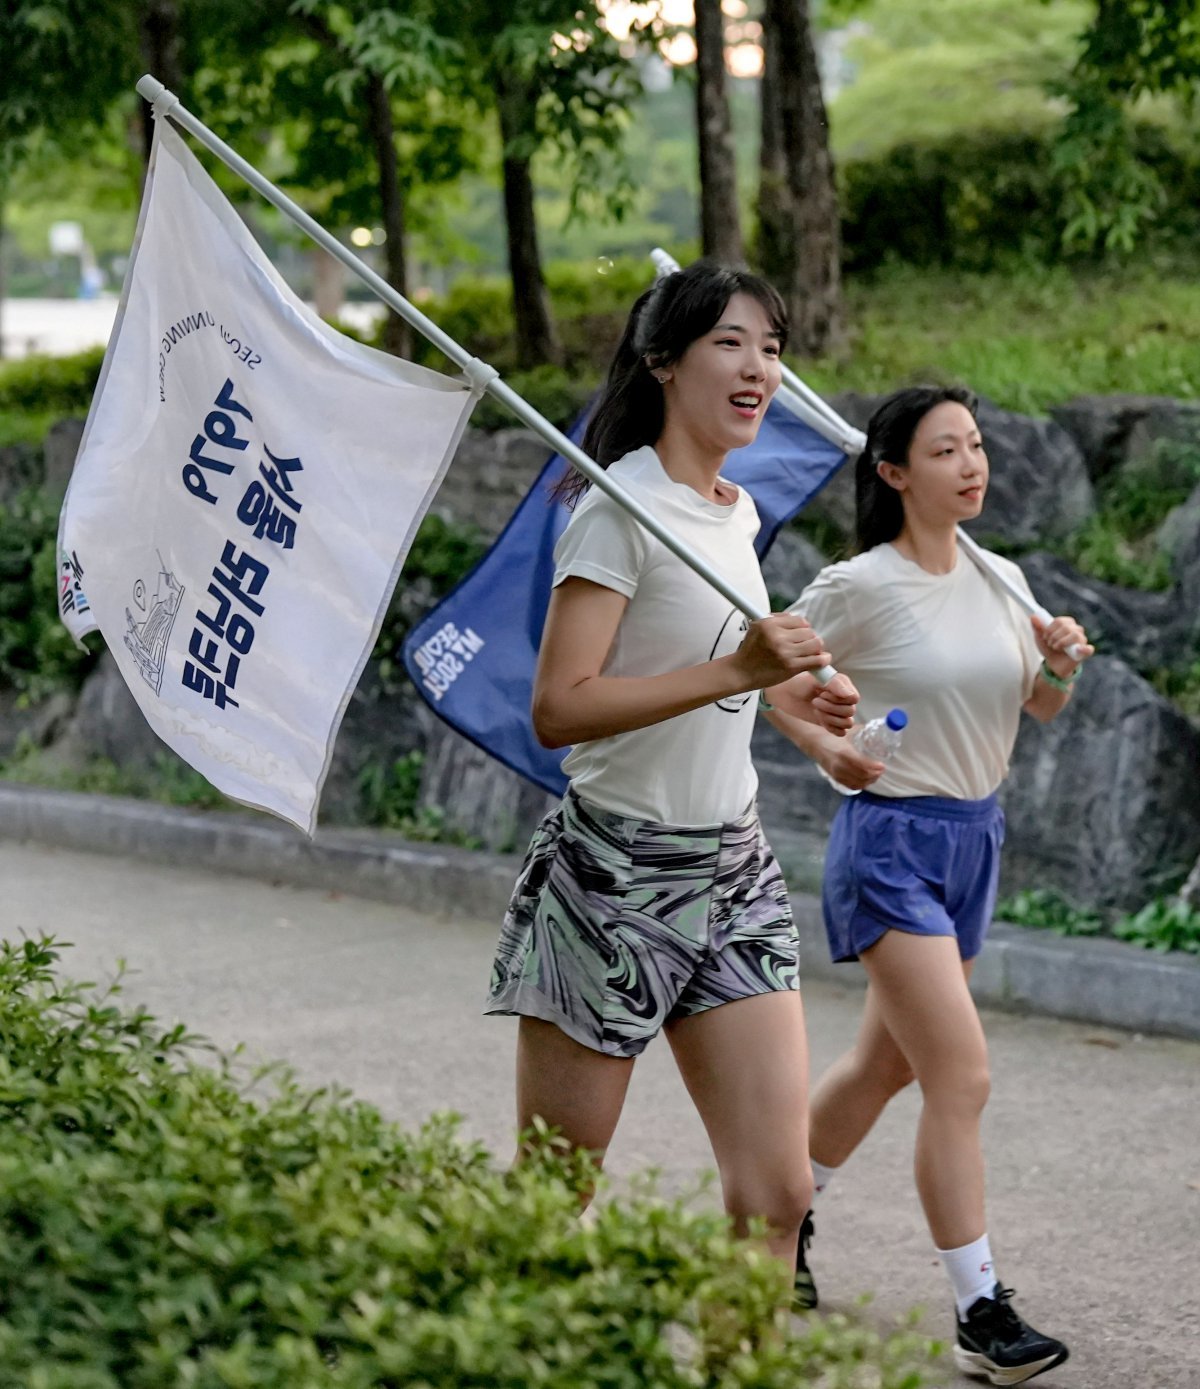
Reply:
x=879, y=511
x=662, y=325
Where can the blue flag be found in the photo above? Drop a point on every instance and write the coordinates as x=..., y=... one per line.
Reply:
x=473, y=657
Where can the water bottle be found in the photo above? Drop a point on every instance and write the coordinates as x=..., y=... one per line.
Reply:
x=879, y=740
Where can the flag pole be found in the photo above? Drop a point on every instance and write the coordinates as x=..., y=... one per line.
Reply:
x=481, y=376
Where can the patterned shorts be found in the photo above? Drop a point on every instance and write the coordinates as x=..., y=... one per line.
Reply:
x=617, y=926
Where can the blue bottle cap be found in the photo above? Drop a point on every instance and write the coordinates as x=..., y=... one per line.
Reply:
x=896, y=720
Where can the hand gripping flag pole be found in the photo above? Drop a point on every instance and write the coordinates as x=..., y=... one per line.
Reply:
x=479, y=374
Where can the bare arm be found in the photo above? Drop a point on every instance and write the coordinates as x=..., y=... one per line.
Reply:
x=1053, y=640
x=829, y=706
x=832, y=752
x=574, y=703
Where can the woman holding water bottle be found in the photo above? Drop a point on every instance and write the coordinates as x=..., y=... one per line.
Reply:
x=913, y=861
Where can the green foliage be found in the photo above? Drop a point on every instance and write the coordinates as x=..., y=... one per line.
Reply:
x=979, y=199
x=1166, y=924
x=37, y=655
x=170, y=780
x=51, y=385
x=1027, y=336
x=1134, y=49
x=558, y=394
x=160, y=1227
x=389, y=799
x=1118, y=544
x=1181, y=685
x=1047, y=910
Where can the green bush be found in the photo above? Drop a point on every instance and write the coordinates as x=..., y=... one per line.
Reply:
x=37, y=654
x=977, y=201
x=169, y=780
x=1047, y=910
x=160, y=1228
x=1118, y=544
x=1164, y=924
x=51, y=385
x=558, y=394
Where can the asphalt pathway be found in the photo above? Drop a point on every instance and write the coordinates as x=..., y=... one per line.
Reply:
x=1092, y=1135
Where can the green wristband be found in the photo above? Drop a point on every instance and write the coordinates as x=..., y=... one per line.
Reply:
x=1057, y=681
x=762, y=701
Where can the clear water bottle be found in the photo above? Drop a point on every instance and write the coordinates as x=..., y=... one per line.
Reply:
x=879, y=740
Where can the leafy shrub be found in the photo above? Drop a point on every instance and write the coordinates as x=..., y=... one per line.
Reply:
x=1047, y=910
x=975, y=201
x=37, y=654
x=51, y=385
x=169, y=780
x=1168, y=923
x=161, y=1228
x=1118, y=544
x=558, y=394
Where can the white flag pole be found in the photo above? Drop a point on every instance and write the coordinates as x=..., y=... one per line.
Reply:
x=481, y=376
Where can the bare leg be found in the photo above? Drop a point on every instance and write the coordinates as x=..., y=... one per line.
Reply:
x=745, y=1065
x=854, y=1091
x=922, y=998
x=578, y=1091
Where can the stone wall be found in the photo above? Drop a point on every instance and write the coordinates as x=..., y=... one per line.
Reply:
x=1103, y=804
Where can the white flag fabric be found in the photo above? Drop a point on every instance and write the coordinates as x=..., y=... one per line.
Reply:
x=247, y=487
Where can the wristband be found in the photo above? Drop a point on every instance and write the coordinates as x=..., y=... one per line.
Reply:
x=1058, y=682
x=763, y=703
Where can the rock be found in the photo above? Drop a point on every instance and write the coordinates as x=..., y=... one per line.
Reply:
x=23, y=725
x=792, y=563
x=489, y=476
x=1137, y=627
x=477, y=796
x=380, y=727
x=59, y=451
x=1039, y=486
x=1115, y=430
x=1179, y=530
x=797, y=805
x=108, y=723
x=1101, y=803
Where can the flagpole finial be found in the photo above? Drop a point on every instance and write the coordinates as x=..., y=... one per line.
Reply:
x=163, y=100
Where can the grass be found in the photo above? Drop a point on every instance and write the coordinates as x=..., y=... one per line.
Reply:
x=1028, y=339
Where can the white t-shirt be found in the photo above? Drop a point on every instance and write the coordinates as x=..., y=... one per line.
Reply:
x=694, y=769
x=953, y=652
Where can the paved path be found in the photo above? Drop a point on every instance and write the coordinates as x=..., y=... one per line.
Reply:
x=1093, y=1136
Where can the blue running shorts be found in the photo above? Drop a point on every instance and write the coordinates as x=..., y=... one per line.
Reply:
x=924, y=864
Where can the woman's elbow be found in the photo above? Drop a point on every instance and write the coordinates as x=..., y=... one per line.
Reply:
x=547, y=728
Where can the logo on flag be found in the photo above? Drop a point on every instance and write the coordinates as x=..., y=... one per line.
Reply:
x=248, y=485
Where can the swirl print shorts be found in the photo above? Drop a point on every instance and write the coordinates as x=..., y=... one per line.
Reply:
x=617, y=926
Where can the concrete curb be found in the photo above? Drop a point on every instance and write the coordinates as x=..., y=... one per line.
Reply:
x=1099, y=981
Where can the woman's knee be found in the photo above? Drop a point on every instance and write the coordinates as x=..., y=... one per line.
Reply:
x=962, y=1089
x=781, y=1199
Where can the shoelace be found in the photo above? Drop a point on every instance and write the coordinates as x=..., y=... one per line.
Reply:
x=1001, y=1315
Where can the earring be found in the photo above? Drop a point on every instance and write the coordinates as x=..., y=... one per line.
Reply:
x=661, y=378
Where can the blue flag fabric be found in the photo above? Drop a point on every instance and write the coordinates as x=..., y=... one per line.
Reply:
x=473, y=657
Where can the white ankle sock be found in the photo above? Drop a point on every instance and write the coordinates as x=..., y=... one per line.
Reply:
x=822, y=1176
x=970, y=1271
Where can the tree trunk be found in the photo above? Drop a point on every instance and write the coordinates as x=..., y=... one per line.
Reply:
x=329, y=282
x=809, y=275
x=720, y=228
x=397, y=335
x=537, y=341
x=162, y=57
x=773, y=198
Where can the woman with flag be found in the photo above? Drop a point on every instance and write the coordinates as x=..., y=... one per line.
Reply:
x=650, y=899
x=912, y=865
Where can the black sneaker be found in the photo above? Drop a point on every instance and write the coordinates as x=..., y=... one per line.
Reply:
x=804, y=1296
x=996, y=1345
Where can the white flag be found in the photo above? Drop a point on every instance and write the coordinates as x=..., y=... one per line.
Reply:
x=248, y=485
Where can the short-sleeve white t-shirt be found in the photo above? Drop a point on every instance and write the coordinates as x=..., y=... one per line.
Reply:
x=956, y=654
x=694, y=769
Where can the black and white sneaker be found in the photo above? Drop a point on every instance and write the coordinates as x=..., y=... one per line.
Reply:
x=996, y=1345
x=804, y=1297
